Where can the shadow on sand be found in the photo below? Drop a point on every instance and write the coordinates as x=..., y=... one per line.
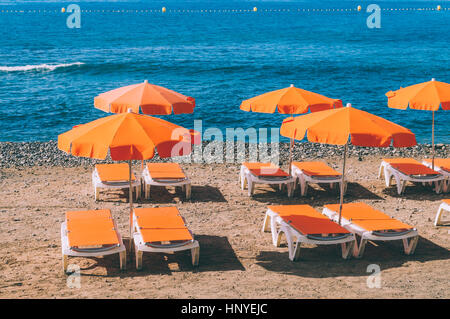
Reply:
x=216, y=254
x=325, y=261
x=199, y=193
x=316, y=195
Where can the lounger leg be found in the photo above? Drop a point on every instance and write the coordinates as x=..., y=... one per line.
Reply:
x=387, y=177
x=251, y=188
x=437, y=186
x=359, y=251
x=266, y=224
x=294, y=248
x=295, y=256
x=147, y=191
x=96, y=193
x=437, y=220
x=138, y=258
x=380, y=171
x=195, y=253
x=445, y=185
x=295, y=183
x=242, y=178
x=65, y=261
x=303, y=186
x=123, y=260
x=290, y=189
x=347, y=248
x=188, y=191
x=411, y=246
x=244, y=182
x=276, y=233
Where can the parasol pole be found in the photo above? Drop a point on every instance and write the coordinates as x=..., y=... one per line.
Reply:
x=341, y=200
x=131, y=202
x=432, y=141
x=291, y=144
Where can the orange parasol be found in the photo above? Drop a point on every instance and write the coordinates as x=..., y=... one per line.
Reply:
x=423, y=96
x=289, y=100
x=338, y=126
x=149, y=98
x=128, y=136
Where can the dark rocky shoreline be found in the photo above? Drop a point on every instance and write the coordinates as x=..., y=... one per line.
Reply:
x=26, y=154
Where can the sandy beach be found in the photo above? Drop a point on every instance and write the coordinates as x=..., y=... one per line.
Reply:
x=237, y=260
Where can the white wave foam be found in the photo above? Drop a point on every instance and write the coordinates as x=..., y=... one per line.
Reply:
x=45, y=67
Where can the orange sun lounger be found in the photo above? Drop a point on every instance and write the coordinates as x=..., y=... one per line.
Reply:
x=264, y=173
x=91, y=233
x=314, y=173
x=372, y=224
x=441, y=165
x=408, y=169
x=308, y=226
x=113, y=176
x=162, y=230
x=165, y=174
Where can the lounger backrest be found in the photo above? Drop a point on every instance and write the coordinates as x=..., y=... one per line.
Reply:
x=90, y=228
x=165, y=171
x=265, y=169
x=114, y=172
x=316, y=169
x=161, y=224
x=443, y=163
x=368, y=217
x=307, y=220
x=409, y=166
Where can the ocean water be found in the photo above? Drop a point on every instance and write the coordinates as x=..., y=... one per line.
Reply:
x=50, y=74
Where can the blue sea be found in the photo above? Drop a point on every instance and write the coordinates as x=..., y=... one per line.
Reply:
x=50, y=74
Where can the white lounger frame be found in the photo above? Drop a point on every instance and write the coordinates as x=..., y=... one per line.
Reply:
x=246, y=178
x=409, y=238
x=141, y=247
x=446, y=181
x=98, y=184
x=442, y=208
x=401, y=178
x=70, y=251
x=274, y=223
x=303, y=179
x=185, y=183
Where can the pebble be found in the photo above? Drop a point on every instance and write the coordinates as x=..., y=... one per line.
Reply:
x=27, y=154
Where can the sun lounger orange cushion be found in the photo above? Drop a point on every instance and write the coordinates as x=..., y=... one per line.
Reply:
x=114, y=172
x=265, y=169
x=316, y=169
x=443, y=163
x=161, y=221
x=447, y=201
x=409, y=166
x=165, y=171
x=368, y=217
x=307, y=220
x=161, y=224
x=158, y=235
x=378, y=225
x=90, y=228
